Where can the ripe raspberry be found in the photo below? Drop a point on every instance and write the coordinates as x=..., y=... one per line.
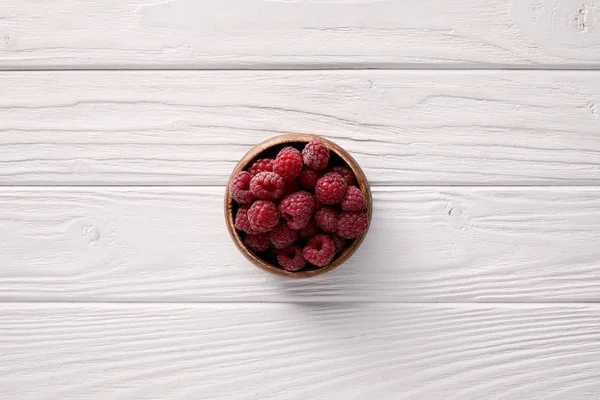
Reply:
x=288, y=163
x=331, y=188
x=290, y=187
x=240, y=188
x=339, y=242
x=308, y=179
x=261, y=165
x=352, y=225
x=354, y=200
x=315, y=154
x=309, y=230
x=267, y=186
x=259, y=242
x=297, y=209
x=263, y=216
x=241, y=219
x=346, y=173
x=291, y=259
x=319, y=250
x=283, y=236
x=327, y=219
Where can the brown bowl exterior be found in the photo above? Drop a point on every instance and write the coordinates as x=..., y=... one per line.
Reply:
x=295, y=138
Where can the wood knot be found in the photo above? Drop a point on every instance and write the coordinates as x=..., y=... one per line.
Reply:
x=594, y=109
x=457, y=216
x=90, y=232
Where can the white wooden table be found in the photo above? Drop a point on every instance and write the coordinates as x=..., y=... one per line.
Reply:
x=477, y=123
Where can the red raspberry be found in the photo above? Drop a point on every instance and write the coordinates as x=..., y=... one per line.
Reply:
x=240, y=188
x=290, y=187
x=263, y=216
x=339, y=242
x=315, y=154
x=327, y=219
x=346, y=173
x=241, y=219
x=288, y=163
x=283, y=236
x=267, y=186
x=308, y=179
x=259, y=242
x=352, y=225
x=291, y=259
x=261, y=165
x=319, y=250
x=354, y=200
x=331, y=188
x=309, y=230
x=297, y=209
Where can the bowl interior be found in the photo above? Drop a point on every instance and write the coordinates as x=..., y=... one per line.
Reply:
x=269, y=149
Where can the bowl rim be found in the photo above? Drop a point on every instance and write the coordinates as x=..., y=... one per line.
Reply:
x=295, y=138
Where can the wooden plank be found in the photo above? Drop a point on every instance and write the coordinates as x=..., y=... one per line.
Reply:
x=404, y=127
x=279, y=351
x=282, y=34
x=425, y=245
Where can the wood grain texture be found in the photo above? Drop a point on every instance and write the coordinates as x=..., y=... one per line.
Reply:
x=299, y=351
x=424, y=245
x=309, y=33
x=403, y=127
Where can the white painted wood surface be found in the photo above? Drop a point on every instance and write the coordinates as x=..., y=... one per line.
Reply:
x=479, y=279
x=425, y=245
x=404, y=127
x=299, y=351
x=299, y=33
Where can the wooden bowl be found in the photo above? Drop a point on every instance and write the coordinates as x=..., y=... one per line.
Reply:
x=269, y=148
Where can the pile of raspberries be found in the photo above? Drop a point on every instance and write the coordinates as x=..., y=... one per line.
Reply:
x=297, y=208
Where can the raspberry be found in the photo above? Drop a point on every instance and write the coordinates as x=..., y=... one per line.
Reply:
x=267, y=186
x=240, y=188
x=327, y=219
x=261, y=165
x=339, y=243
x=309, y=230
x=291, y=259
x=319, y=250
x=283, y=236
x=290, y=187
x=259, y=242
x=241, y=219
x=315, y=154
x=288, y=163
x=297, y=209
x=352, y=225
x=331, y=188
x=263, y=216
x=345, y=173
x=354, y=200
x=308, y=179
